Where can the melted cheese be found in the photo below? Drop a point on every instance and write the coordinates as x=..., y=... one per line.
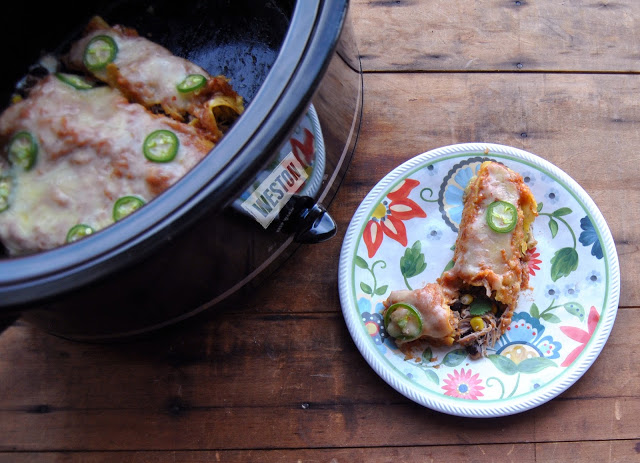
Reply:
x=148, y=73
x=89, y=154
x=484, y=257
x=437, y=321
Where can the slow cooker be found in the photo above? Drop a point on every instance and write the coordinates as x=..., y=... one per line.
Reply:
x=214, y=232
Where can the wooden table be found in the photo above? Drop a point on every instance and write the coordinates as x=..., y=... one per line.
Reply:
x=278, y=378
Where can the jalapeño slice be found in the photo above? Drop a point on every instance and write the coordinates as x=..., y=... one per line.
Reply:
x=502, y=216
x=125, y=206
x=100, y=51
x=77, y=232
x=161, y=146
x=403, y=321
x=191, y=82
x=6, y=183
x=75, y=81
x=23, y=150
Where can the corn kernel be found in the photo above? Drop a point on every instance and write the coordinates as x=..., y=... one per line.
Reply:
x=466, y=299
x=477, y=323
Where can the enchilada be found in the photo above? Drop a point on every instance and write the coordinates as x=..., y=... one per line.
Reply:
x=84, y=157
x=149, y=74
x=481, y=290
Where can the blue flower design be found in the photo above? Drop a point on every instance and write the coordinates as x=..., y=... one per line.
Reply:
x=551, y=291
x=571, y=290
x=434, y=234
x=529, y=178
x=373, y=321
x=589, y=237
x=454, y=193
x=453, y=197
x=552, y=196
x=432, y=169
x=525, y=338
x=594, y=277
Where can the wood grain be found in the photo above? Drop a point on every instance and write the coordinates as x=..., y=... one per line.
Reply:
x=587, y=125
x=498, y=35
x=618, y=451
x=196, y=386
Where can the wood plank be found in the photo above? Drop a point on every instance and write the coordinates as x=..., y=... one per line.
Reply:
x=498, y=35
x=508, y=453
x=118, y=375
x=613, y=451
x=197, y=388
x=216, y=365
x=314, y=427
x=569, y=120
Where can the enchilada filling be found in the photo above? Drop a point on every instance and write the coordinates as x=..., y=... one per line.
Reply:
x=480, y=292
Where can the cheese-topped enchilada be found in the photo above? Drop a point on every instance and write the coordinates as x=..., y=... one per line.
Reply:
x=480, y=292
x=75, y=153
x=149, y=74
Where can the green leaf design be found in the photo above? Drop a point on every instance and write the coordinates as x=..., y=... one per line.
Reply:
x=454, y=357
x=539, y=207
x=534, y=311
x=549, y=317
x=432, y=376
x=366, y=288
x=504, y=364
x=381, y=290
x=535, y=364
x=562, y=211
x=427, y=355
x=412, y=263
x=479, y=307
x=360, y=262
x=576, y=309
x=553, y=226
x=563, y=262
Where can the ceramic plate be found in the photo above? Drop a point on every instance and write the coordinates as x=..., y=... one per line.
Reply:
x=402, y=236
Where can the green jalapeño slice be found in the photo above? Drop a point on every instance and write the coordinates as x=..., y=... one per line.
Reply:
x=75, y=81
x=100, y=51
x=502, y=216
x=77, y=232
x=6, y=183
x=403, y=321
x=125, y=206
x=23, y=150
x=161, y=146
x=191, y=83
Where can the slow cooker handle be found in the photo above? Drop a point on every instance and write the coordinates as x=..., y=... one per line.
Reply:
x=308, y=221
x=316, y=226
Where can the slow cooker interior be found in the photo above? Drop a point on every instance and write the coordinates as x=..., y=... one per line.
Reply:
x=239, y=39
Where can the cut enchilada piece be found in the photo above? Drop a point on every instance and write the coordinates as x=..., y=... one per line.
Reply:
x=151, y=75
x=490, y=258
x=473, y=302
x=421, y=313
x=89, y=151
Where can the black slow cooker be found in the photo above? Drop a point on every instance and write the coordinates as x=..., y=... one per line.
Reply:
x=214, y=232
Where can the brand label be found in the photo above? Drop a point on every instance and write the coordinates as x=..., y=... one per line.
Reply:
x=274, y=191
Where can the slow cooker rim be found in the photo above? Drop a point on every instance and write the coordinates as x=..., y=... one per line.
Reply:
x=33, y=279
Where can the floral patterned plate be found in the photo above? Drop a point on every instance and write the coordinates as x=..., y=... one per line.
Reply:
x=402, y=236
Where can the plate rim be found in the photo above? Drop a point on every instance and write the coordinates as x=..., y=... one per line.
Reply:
x=465, y=407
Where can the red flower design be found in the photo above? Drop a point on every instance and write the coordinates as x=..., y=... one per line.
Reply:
x=389, y=216
x=581, y=336
x=533, y=261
